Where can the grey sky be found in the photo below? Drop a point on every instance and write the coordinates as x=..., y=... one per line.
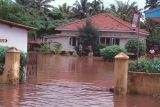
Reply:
x=141, y=3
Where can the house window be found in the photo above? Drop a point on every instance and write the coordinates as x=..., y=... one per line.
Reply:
x=73, y=41
x=115, y=41
x=102, y=40
x=108, y=41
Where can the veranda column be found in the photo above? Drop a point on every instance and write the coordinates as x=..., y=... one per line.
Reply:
x=121, y=73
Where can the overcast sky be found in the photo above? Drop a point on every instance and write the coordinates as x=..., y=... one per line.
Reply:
x=141, y=3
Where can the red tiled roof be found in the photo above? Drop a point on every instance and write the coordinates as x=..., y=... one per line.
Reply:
x=103, y=22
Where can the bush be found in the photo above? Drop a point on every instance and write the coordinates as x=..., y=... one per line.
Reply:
x=97, y=49
x=149, y=66
x=1, y=68
x=110, y=52
x=2, y=54
x=56, y=47
x=131, y=47
x=23, y=61
x=44, y=49
x=2, y=58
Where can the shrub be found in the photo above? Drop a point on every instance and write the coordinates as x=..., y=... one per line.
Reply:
x=2, y=58
x=23, y=61
x=97, y=49
x=44, y=49
x=2, y=54
x=131, y=46
x=56, y=47
x=110, y=52
x=149, y=66
x=1, y=68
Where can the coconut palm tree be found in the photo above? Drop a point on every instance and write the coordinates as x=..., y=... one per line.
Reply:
x=24, y=2
x=81, y=9
x=64, y=8
x=43, y=5
x=152, y=3
x=124, y=10
x=97, y=7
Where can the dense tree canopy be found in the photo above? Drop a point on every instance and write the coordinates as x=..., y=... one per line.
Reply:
x=44, y=21
x=123, y=10
x=42, y=15
x=65, y=10
x=152, y=4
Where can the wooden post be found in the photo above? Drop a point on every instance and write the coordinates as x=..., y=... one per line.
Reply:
x=11, y=67
x=121, y=73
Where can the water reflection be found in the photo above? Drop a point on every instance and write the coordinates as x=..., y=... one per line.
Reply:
x=91, y=70
x=70, y=82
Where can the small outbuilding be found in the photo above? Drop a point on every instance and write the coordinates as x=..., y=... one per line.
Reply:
x=113, y=31
x=14, y=34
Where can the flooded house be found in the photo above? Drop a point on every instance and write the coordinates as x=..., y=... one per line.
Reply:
x=113, y=31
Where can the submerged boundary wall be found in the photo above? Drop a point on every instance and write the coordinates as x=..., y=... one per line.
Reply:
x=133, y=82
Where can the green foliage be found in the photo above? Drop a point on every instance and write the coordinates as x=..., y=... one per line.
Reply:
x=123, y=10
x=110, y=52
x=2, y=53
x=2, y=58
x=88, y=35
x=44, y=48
x=132, y=46
x=1, y=68
x=97, y=49
x=154, y=38
x=152, y=4
x=149, y=66
x=44, y=21
x=23, y=61
x=56, y=47
x=84, y=8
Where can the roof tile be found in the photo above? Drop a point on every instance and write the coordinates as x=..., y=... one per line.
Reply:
x=103, y=21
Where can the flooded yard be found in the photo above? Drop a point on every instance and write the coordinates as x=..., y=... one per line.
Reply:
x=70, y=82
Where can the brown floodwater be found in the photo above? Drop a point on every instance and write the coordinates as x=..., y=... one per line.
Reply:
x=70, y=82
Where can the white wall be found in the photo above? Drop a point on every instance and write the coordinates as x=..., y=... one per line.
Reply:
x=123, y=42
x=64, y=41
x=16, y=37
x=124, y=37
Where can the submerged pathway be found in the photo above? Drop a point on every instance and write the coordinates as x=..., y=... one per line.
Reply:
x=70, y=82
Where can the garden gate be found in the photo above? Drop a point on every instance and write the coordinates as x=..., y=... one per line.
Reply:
x=31, y=64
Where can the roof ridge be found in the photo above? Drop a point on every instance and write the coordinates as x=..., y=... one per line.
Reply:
x=121, y=22
x=76, y=21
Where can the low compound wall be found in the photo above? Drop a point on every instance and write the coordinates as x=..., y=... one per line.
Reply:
x=134, y=82
x=143, y=83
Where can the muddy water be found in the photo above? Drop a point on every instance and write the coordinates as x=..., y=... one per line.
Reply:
x=70, y=82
